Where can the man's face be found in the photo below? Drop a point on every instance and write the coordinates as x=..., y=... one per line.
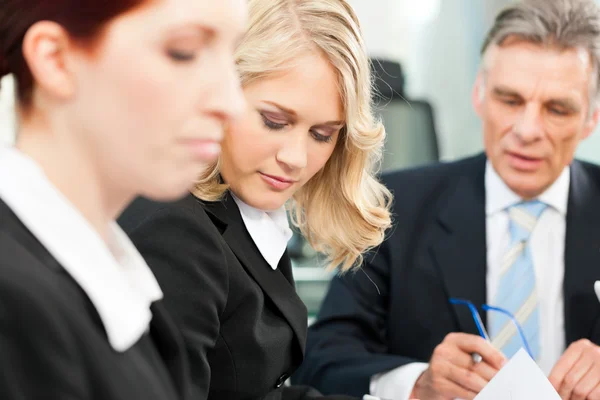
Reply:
x=534, y=103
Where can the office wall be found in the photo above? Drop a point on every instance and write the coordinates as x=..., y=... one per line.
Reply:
x=437, y=42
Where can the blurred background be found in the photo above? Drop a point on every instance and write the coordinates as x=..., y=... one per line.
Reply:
x=425, y=54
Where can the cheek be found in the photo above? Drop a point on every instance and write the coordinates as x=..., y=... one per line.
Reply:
x=318, y=155
x=246, y=146
x=498, y=124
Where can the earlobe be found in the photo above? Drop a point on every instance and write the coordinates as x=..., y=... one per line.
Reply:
x=44, y=48
x=592, y=122
x=477, y=95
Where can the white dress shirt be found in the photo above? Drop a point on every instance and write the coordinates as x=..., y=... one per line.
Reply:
x=270, y=230
x=114, y=276
x=547, y=243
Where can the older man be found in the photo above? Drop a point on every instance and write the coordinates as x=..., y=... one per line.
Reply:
x=517, y=228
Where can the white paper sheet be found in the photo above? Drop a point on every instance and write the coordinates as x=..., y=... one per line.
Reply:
x=519, y=379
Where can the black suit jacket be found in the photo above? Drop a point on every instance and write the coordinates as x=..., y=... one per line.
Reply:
x=396, y=310
x=53, y=344
x=243, y=322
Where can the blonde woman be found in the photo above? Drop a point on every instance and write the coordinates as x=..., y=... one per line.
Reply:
x=308, y=140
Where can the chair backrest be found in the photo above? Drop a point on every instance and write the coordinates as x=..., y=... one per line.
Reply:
x=411, y=136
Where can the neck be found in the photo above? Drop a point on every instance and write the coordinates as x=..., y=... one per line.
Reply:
x=72, y=169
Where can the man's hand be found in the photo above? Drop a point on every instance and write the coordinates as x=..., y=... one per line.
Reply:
x=453, y=374
x=577, y=374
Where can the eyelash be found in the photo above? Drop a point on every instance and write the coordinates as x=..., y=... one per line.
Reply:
x=514, y=103
x=277, y=127
x=181, y=56
x=557, y=112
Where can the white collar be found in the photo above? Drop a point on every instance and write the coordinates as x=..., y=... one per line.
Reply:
x=499, y=196
x=117, y=280
x=270, y=230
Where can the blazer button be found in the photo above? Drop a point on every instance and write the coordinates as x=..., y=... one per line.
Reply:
x=281, y=380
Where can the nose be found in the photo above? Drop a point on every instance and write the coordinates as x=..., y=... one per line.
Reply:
x=293, y=150
x=528, y=126
x=227, y=101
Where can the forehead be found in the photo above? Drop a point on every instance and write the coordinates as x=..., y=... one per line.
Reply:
x=224, y=17
x=535, y=70
x=309, y=88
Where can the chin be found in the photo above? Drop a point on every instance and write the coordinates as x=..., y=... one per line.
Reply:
x=526, y=187
x=265, y=204
x=168, y=192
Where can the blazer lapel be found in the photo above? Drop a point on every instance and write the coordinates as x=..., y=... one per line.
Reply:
x=458, y=243
x=582, y=257
x=275, y=283
x=170, y=346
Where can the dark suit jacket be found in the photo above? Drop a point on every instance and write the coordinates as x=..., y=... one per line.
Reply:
x=243, y=322
x=437, y=250
x=52, y=342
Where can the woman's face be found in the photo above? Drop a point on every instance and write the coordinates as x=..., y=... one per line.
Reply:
x=152, y=98
x=289, y=131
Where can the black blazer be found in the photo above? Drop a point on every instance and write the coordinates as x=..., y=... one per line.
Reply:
x=243, y=322
x=53, y=344
x=437, y=250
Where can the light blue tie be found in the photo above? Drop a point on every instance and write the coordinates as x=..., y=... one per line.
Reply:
x=516, y=287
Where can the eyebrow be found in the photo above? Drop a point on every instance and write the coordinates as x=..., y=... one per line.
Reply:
x=561, y=102
x=291, y=113
x=206, y=31
x=506, y=92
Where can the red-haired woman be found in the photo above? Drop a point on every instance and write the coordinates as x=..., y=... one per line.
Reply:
x=115, y=99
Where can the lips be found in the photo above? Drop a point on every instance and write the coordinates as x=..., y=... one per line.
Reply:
x=524, y=163
x=277, y=182
x=279, y=178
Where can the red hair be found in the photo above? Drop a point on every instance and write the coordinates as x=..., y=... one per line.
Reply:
x=84, y=20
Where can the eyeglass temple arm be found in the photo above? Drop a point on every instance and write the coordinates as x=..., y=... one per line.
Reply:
x=487, y=307
x=476, y=317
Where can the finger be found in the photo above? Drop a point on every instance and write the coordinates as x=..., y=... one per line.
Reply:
x=476, y=344
x=464, y=360
x=485, y=370
x=454, y=391
x=595, y=394
x=586, y=384
x=572, y=378
x=563, y=366
x=465, y=378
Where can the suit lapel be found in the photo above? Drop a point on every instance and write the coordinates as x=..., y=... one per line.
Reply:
x=582, y=257
x=277, y=285
x=170, y=346
x=458, y=243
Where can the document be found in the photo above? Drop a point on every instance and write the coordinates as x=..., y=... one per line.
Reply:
x=519, y=379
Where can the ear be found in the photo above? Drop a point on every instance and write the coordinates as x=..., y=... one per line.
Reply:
x=45, y=47
x=478, y=94
x=591, y=123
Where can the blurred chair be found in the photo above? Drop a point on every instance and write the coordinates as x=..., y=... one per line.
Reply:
x=410, y=126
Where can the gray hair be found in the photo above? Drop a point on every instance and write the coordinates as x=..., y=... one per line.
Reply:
x=562, y=24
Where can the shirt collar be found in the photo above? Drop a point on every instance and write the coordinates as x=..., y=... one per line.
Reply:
x=499, y=196
x=115, y=277
x=270, y=230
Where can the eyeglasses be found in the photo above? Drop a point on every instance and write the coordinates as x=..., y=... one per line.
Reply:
x=479, y=323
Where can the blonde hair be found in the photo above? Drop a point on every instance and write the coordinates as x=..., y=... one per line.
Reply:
x=343, y=210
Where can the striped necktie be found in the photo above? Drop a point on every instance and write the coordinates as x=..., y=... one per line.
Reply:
x=516, y=287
